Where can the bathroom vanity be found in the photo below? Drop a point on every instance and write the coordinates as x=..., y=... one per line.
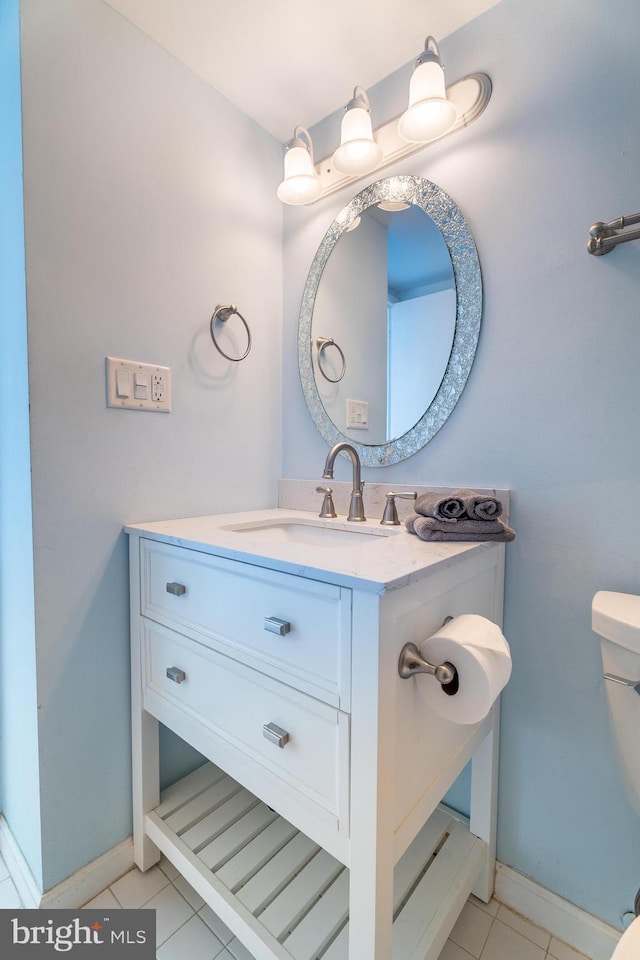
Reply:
x=269, y=641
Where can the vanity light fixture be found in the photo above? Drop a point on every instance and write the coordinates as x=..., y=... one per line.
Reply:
x=301, y=183
x=434, y=111
x=430, y=113
x=358, y=152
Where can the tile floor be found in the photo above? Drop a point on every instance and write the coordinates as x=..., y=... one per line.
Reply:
x=188, y=928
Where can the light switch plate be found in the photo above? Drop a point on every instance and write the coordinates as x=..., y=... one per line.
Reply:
x=357, y=414
x=138, y=386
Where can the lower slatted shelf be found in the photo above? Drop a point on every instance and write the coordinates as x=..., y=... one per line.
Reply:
x=285, y=897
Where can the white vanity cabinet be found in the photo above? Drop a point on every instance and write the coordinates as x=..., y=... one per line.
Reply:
x=314, y=830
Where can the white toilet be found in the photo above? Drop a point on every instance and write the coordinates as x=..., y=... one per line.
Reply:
x=629, y=945
x=616, y=618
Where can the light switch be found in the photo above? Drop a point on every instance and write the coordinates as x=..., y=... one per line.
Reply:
x=140, y=386
x=132, y=385
x=357, y=414
x=123, y=383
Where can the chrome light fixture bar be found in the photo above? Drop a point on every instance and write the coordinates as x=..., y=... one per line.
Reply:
x=434, y=112
x=470, y=97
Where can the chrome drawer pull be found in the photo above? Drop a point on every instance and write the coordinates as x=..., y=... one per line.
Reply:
x=274, y=733
x=634, y=684
x=177, y=589
x=274, y=625
x=176, y=674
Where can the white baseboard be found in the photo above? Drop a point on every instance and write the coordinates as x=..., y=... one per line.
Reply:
x=90, y=880
x=562, y=919
x=18, y=867
x=77, y=889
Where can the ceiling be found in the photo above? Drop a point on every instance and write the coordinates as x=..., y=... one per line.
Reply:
x=288, y=62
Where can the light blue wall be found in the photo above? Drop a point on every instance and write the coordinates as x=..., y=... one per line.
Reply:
x=19, y=780
x=137, y=226
x=148, y=201
x=552, y=405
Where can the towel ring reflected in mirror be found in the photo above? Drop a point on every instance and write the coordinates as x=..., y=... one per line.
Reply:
x=441, y=223
x=322, y=343
x=222, y=313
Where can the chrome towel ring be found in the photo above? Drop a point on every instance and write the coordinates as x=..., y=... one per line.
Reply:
x=322, y=343
x=222, y=312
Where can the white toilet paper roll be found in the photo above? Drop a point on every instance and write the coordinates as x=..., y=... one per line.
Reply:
x=478, y=650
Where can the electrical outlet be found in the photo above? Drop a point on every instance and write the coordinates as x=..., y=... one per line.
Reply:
x=138, y=386
x=157, y=387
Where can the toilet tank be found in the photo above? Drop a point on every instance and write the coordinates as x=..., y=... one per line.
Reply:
x=616, y=618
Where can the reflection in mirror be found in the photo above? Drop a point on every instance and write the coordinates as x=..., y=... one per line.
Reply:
x=387, y=301
x=392, y=304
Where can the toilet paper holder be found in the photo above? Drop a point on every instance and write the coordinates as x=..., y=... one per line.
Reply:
x=411, y=662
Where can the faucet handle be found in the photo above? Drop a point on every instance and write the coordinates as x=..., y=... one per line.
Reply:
x=327, y=510
x=390, y=515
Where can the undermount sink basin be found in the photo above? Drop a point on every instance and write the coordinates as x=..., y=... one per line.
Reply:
x=307, y=532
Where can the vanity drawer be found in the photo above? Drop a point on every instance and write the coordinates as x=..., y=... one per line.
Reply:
x=233, y=704
x=234, y=607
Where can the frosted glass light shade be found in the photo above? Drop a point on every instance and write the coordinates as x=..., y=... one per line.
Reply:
x=301, y=183
x=429, y=113
x=358, y=152
x=393, y=206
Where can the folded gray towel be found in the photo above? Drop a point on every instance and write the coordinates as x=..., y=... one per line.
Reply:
x=465, y=530
x=463, y=525
x=445, y=507
x=478, y=506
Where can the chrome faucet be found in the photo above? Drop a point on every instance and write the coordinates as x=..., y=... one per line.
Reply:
x=356, y=507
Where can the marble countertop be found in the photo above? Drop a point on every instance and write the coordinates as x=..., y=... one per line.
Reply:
x=389, y=558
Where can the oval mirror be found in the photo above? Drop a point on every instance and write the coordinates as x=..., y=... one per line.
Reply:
x=390, y=319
